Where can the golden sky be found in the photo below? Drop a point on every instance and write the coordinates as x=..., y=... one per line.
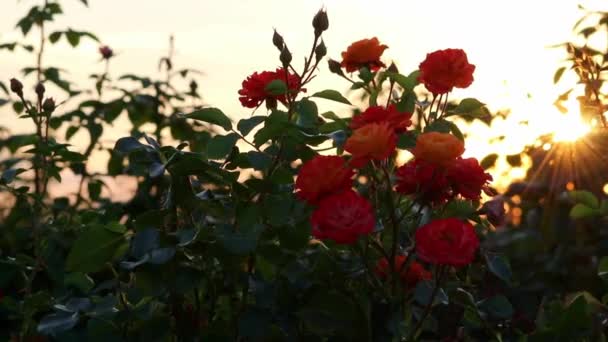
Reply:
x=229, y=39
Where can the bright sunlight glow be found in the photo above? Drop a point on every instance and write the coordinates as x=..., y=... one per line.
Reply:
x=569, y=127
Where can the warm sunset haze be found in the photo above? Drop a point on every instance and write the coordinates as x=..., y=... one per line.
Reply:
x=514, y=66
x=303, y=170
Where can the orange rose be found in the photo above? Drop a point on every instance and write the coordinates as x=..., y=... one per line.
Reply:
x=372, y=141
x=438, y=148
x=363, y=53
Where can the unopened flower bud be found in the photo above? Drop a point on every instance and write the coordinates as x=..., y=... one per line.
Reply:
x=393, y=68
x=494, y=211
x=49, y=105
x=193, y=86
x=320, y=51
x=271, y=103
x=335, y=67
x=16, y=87
x=320, y=22
x=106, y=52
x=40, y=90
x=285, y=56
x=277, y=40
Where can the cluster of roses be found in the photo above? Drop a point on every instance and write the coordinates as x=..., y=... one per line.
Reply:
x=436, y=174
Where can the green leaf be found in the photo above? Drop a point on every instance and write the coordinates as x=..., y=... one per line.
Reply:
x=471, y=108
x=221, y=145
x=127, y=145
x=558, y=74
x=55, y=36
x=407, y=102
x=366, y=75
x=575, y=317
x=211, y=115
x=373, y=98
x=602, y=270
x=307, y=113
x=241, y=241
x=488, y=161
x=499, y=265
x=424, y=290
x=276, y=87
x=332, y=312
x=57, y=322
x=259, y=161
x=497, y=306
x=73, y=37
x=245, y=126
x=9, y=175
x=406, y=82
x=94, y=188
x=581, y=211
x=78, y=280
x=407, y=140
x=584, y=197
x=94, y=247
x=514, y=160
x=333, y=95
x=459, y=208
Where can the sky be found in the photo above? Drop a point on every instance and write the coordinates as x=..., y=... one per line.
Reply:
x=229, y=39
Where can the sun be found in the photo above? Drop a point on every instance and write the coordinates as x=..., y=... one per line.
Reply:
x=568, y=127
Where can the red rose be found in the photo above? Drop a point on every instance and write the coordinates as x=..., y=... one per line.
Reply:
x=409, y=277
x=443, y=70
x=373, y=141
x=254, y=93
x=343, y=217
x=363, y=53
x=376, y=114
x=447, y=241
x=424, y=179
x=468, y=178
x=322, y=176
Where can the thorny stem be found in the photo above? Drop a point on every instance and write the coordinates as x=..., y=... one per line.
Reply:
x=440, y=271
x=390, y=94
x=395, y=225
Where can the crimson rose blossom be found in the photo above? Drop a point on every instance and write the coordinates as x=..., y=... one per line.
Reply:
x=409, y=277
x=254, y=93
x=343, y=217
x=376, y=114
x=424, y=179
x=449, y=241
x=321, y=176
x=443, y=70
x=468, y=178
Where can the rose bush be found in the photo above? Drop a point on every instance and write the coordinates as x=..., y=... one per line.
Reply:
x=293, y=223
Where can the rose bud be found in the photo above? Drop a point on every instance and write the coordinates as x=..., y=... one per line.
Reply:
x=40, y=90
x=277, y=40
x=106, y=52
x=285, y=56
x=335, y=67
x=320, y=22
x=393, y=68
x=49, y=105
x=320, y=50
x=16, y=87
x=494, y=211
